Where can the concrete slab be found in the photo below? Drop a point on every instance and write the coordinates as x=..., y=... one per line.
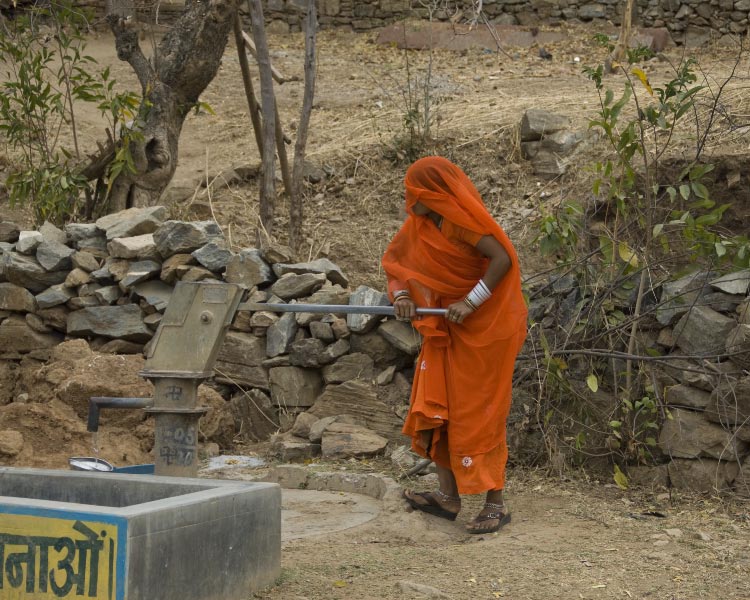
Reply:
x=104, y=535
x=306, y=513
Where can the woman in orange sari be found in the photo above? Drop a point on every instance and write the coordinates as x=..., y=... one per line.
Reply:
x=450, y=253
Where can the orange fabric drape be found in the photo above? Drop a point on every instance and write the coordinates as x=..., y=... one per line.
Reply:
x=462, y=383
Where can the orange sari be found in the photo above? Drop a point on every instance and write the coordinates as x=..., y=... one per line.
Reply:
x=462, y=383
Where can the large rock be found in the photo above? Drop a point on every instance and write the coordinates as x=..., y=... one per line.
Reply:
x=52, y=233
x=703, y=475
x=293, y=387
x=76, y=232
x=730, y=403
x=240, y=359
x=280, y=335
x=376, y=347
x=54, y=296
x=687, y=396
x=248, y=269
x=359, y=399
x=349, y=367
x=132, y=222
x=365, y=296
x=254, y=415
x=292, y=286
x=700, y=374
x=28, y=273
x=678, y=296
x=737, y=282
x=306, y=353
x=16, y=298
x=54, y=256
x=174, y=237
x=9, y=232
x=537, y=123
x=124, y=322
x=154, y=293
x=139, y=246
x=28, y=242
x=214, y=256
x=328, y=294
x=139, y=271
x=85, y=261
x=402, y=335
x=689, y=435
x=322, y=265
x=170, y=268
x=341, y=440
x=702, y=331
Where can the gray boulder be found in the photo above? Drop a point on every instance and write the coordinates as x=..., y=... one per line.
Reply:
x=174, y=237
x=132, y=222
x=123, y=322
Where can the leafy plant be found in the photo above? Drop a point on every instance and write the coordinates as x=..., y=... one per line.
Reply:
x=646, y=212
x=47, y=75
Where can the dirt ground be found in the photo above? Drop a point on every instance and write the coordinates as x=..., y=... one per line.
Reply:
x=573, y=538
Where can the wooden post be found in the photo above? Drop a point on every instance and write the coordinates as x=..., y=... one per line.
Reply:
x=296, y=217
x=247, y=80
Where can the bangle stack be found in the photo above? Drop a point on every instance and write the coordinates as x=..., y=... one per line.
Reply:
x=478, y=296
x=401, y=294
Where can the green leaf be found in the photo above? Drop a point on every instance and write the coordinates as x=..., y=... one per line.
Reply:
x=721, y=249
x=685, y=191
x=615, y=424
x=592, y=382
x=699, y=190
x=657, y=230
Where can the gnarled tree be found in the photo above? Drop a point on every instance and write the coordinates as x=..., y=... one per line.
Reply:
x=172, y=80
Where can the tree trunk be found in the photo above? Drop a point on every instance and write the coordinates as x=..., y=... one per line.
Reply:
x=623, y=40
x=184, y=63
x=268, y=106
x=295, y=203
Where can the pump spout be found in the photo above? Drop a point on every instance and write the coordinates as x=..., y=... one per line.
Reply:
x=96, y=404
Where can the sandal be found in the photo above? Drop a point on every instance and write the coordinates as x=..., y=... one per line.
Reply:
x=433, y=506
x=498, y=514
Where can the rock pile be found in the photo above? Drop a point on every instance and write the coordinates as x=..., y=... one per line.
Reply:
x=548, y=142
x=332, y=385
x=86, y=300
x=700, y=327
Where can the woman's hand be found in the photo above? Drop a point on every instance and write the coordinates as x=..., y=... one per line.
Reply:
x=405, y=308
x=458, y=311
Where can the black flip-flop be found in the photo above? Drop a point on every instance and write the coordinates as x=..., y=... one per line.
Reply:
x=502, y=518
x=431, y=508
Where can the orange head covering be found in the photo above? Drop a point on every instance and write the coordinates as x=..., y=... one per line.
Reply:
x=439, y=272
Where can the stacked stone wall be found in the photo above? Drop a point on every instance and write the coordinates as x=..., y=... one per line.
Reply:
x=689, y=21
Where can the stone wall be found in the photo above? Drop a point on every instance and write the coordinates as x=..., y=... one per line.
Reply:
x=319, y=383
x=693, y=21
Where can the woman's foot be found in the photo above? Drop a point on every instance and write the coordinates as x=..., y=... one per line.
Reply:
x=490, y=519
x=435, y=503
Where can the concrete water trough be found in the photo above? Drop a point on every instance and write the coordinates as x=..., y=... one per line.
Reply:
x=67, y=534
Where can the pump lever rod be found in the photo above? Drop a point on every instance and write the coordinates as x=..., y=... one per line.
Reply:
x=341, y=309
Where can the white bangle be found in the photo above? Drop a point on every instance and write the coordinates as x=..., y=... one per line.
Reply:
x=480, y=294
